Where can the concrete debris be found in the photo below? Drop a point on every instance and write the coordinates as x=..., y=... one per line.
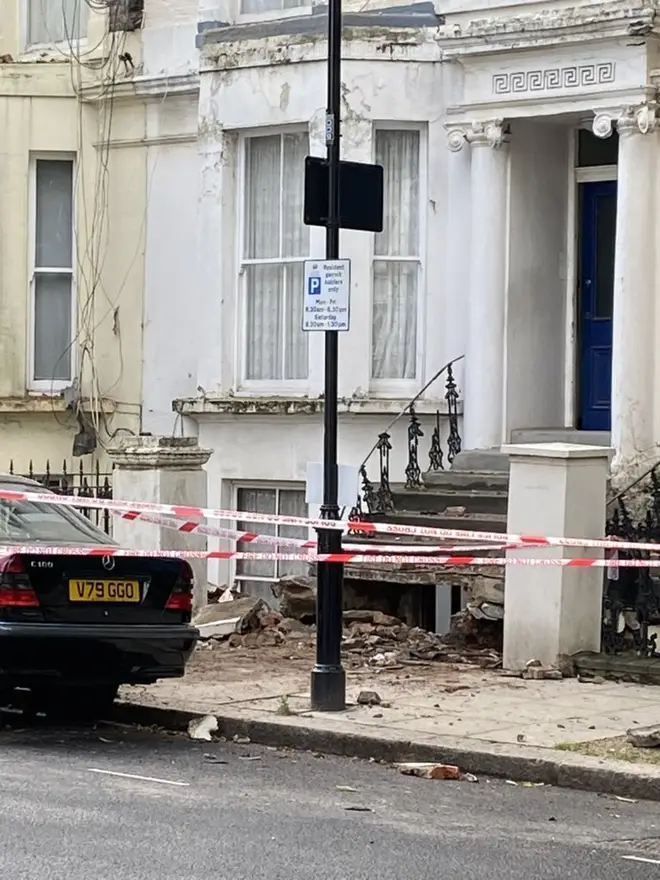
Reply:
x=202, y=728
x=455, y=511
x=368, y=698
x=536, y=672
x=644, y=737
x=215, y=593
x=566, y=665
x=371, y=638
x=486, y=611
x=399, y=644
x=297, y=597
x=429, y=771
x=586, y=678
x=218, y=630
x=373, y=618
x=220, y=619
x=469, y=631
x=241, y=740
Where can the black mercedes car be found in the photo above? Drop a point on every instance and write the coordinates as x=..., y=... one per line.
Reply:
x=74, y=628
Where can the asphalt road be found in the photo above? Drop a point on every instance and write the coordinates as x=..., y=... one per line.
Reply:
x=250, y=813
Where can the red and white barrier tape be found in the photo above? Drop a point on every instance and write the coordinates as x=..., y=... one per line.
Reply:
x=184, y=512
x=189, y=528
x=578, y=562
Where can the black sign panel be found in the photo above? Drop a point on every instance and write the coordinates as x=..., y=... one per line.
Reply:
x=360, y=195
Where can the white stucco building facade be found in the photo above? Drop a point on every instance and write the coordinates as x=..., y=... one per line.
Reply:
x=520, y=148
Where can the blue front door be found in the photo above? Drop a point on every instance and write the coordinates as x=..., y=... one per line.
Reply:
x=597, y=224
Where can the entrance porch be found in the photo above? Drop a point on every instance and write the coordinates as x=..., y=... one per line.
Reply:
x=561, y=316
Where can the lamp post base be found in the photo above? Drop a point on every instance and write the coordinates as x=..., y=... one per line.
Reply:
x=328, y=693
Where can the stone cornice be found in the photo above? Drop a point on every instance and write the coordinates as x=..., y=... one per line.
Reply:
x=579, y=24
x=362, y=45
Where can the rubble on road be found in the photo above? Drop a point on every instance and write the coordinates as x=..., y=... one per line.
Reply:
x=429, y=771
x=202, y=728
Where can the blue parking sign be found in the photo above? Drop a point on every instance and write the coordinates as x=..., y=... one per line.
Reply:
x=314, y=285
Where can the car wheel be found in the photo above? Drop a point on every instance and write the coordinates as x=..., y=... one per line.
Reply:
x=79, y=702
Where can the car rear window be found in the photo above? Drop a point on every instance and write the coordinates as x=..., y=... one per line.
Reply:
x=26, y=521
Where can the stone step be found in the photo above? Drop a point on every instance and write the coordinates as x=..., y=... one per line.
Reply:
x=482, y=461
x=476, y=481
x=482, y=522
x=437, y=499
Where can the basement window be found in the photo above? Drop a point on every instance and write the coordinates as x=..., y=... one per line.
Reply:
x=125, y=15
x=255, y=577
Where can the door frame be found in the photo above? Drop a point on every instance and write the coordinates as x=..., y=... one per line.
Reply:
x=576, y=176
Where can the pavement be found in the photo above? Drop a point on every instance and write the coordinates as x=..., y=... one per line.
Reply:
x=119, y=802
x=484, y=721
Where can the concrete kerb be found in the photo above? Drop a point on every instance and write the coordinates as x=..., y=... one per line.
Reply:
x=519, y=763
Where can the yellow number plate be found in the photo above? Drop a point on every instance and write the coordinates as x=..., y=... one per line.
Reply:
x=104, y=591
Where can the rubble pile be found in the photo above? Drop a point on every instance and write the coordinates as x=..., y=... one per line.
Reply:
x=378, y=639
x=371, y=638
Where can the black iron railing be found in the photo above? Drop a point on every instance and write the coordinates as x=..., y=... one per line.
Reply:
x=377, y=498
x=79, y=482
x=631, y=596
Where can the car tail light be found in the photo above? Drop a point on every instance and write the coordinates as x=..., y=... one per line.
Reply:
x=181, y=596
x=16, y=591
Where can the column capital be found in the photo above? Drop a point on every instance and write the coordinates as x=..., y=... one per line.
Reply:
x=489, y=133
x=632, y=119
x=641, y=119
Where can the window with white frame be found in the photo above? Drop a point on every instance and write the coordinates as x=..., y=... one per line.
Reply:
x=275, y=245
x=52, y=271
x=397, y=263
x=255, y=577
x=257, y=7
x=55, y=21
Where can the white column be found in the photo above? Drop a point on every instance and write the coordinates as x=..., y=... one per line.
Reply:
x=484, y=360
x=555, y=489
x=634, y=284
x=164, y=470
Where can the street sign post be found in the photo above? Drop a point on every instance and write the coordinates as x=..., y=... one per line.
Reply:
x=344, y=195
x=328, y=686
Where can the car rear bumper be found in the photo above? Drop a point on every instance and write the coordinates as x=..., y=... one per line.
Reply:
x=78, y=653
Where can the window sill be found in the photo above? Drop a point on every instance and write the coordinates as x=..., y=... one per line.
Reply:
x=293, y=406
x=38, y=403
x=64, y=50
